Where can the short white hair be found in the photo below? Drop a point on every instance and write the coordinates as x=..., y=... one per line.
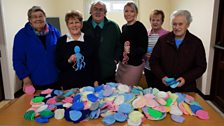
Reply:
x=184, y=13
x=98, y=2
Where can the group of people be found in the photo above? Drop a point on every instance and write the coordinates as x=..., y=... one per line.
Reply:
x=88, y=55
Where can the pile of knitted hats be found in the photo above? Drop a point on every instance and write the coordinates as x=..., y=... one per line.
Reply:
x=114, y=102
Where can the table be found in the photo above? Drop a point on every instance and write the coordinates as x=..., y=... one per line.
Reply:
x=12, y=115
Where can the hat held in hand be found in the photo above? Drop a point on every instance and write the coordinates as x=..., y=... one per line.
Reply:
x=29, y=89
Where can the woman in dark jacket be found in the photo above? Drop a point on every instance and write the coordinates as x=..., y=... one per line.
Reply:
x=179, y=55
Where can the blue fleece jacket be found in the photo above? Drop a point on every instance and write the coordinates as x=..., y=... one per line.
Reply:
x=30, y=58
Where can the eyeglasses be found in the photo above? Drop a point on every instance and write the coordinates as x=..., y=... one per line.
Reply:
x=34, y=17
x=99, y=10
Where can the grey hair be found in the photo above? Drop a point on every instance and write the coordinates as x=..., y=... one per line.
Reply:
x=184, y=13
x=98, y=2
x=35, y=9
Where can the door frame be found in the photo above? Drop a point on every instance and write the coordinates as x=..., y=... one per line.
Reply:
x=8, y=92
x=220, y=26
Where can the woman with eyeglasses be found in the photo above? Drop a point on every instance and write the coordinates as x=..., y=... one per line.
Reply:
x=34, y=52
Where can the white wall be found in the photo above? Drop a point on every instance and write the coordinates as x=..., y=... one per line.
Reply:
x=146, y=6
x=14, y=15
x=63, y=6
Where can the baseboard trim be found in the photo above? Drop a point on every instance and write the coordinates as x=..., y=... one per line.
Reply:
x=206, y=97
x=18, y=93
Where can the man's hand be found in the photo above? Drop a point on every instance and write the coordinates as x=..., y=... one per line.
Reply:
x=96, y=83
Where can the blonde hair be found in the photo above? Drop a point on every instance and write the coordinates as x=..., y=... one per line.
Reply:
x=132, y=5
x=157, y=12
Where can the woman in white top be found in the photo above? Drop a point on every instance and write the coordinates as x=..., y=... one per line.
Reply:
x=75, y=55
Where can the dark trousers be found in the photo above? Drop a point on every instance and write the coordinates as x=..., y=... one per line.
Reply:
x=108, y=79
x=150, y=78
x=54, y=85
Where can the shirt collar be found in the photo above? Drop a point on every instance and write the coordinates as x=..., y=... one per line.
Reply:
x=43, y=32
x=70, y=39
x=101, y=24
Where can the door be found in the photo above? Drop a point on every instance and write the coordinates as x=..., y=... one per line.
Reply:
x=1, y=34
x=1, y=83
x=217, y=85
